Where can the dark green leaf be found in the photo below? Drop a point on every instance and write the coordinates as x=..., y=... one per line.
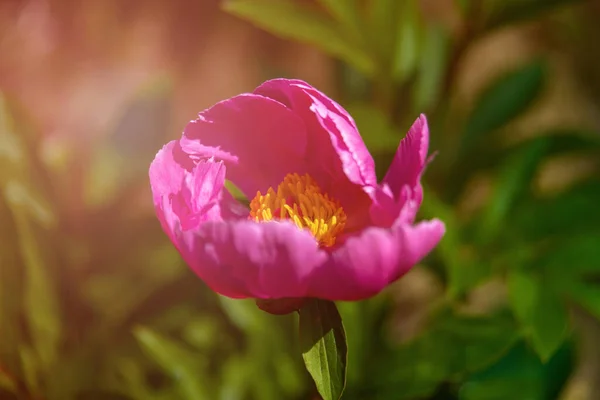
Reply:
x=586, y=294
x=579, y=255
x=541, y=311
x=569, y=213
x=502, y=101
x=294, y=20
x=323, y=345
x=512, y=183
x=503, y=12
x=185, y=367
x=452, y=346
x=520, y=375
x=462, y=274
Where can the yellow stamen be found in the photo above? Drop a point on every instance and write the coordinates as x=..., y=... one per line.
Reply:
x=299, y=199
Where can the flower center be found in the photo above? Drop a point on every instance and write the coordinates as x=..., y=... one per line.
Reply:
x=299, y=199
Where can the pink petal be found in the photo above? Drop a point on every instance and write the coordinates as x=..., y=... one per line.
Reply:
x=338, y=158
x=247, y=259
x=409, y=161
x=169, y=169
x=186, y=194
x=367, y=263
x=260, y=139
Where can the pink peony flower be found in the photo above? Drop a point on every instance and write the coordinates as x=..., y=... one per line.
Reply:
x=318, y=226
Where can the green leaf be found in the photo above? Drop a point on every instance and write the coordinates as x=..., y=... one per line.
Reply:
x=505, y=99
x=512, y=183
x=503, y=12
x=541, y=312
x=184, y=367
x=40, y=300
x=30, y=368
x=566, y=214
x=324, y=348
x=463, y=273
x=382, y=19
x=297, y=21
x=587, y=295
x=407, y=49
x=346, y=13
x=520, y=375
x=453, y=345
x=433, y=60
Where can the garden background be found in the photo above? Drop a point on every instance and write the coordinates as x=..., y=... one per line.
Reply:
x=95, y=302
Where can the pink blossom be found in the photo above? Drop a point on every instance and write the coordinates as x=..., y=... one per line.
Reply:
x=319, y=223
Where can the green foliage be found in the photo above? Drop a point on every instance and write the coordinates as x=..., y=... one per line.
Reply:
x=323, y=346
x=504, y=12
x=505, y=99
x=293, y=20
x=95, y=302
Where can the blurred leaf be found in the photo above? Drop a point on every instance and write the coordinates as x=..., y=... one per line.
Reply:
x=541, y=312
x=382, y=19
x=505, y=99
x=10, y=299
x=185, y=368
x=30, y=368
x=323, y=346
x=14, y=172
x=452, y=346
x=31, y=202
x=130, y=375
x=346, y=13
x=160, y=267
x=587, y=295
x=463, y=5
x=235, y=379
x=374, y=126
x=7, y=382
x=495, y=151
x=571, y=212
x=39, y=298
x=503, y=12
x=577, y=254
x=520, y=375
x=202, y=332
x=512, y=183
x=462, y=273
x=433, y=60
x=12, y=153
x=406, y=54
x=244, y=314
x=296, y=21
x=236, y=192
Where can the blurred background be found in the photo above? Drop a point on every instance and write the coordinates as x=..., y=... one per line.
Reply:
x=95, y=303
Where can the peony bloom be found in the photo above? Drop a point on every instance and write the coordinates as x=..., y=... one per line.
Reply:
x=318, y=225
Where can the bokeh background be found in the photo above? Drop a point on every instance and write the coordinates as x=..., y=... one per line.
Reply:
x=96, y=304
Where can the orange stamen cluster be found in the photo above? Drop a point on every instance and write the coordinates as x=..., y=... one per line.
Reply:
x=299, y=199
